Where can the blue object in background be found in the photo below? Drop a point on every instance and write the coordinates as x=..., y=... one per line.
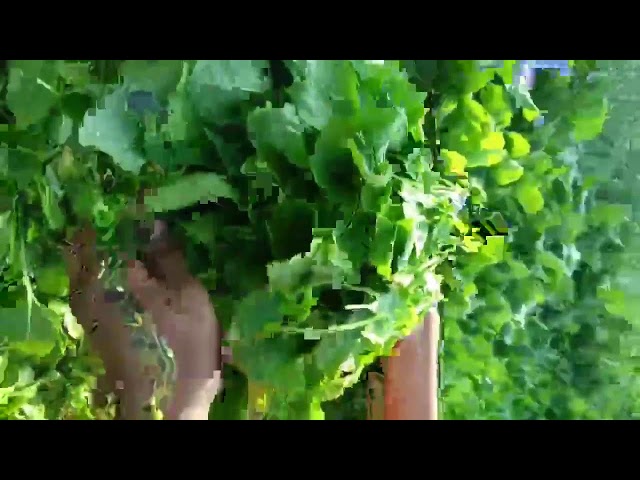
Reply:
x=562, y=65
x=142, y=102
x=526, y=75
x=527, y=70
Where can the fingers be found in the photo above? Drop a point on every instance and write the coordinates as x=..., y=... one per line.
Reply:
x=147, y=291
x=165, y=260
x=160, y=230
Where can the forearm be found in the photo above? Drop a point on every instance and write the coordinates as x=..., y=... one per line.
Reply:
x=199, y=380
x=110, y=339
x=411, y=375
x=193, y=399
x=199, y=377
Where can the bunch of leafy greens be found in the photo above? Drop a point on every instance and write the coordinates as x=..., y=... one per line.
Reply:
x=303, y=191
x=327, y=205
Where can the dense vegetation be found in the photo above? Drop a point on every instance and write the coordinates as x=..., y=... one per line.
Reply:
x=359, y=193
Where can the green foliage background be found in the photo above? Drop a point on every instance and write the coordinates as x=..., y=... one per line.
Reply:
x=340, y=186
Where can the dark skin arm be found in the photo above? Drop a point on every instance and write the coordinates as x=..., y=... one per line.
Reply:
x=180, y=308
x=409, y=388
x=411, y=375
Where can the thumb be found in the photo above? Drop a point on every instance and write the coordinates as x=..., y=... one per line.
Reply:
x=146, y=290
x=165, y=260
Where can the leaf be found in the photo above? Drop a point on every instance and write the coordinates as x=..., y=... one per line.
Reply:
x=182, y=121
x=288, y=276
x=530, y=197
x=278, y=129
x=523, y=100
x=494, y=248
x=114, y=131
x=19, y=165
x=189, y=190
x=508, y=172
x=258, y=311
x=273, y=362
x=51, y=205
x=589, y=123
x=69, y=322
x=31, y=91
x=202, y=229
x=290, y=227
x=454, y=162
x=497, y=102
x=52, y=280
x=493, y=141
x=159, y=77
x=218, y=87
x=332, y=163
x=485, y=158
x=329, y=88
x=5, y=234
x=382, y=246
x=383, y=128
x=517, y=145
x=37, y=340
x=392, y=317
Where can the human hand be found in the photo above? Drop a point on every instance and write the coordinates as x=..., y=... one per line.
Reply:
x=179, y=308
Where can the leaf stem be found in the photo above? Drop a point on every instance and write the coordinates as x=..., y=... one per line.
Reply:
x=20, y=228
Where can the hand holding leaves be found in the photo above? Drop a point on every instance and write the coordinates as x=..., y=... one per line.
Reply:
x=176, y=302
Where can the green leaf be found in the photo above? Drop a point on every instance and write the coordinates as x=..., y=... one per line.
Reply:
x=37, y=340
x=288, y=276
x=508, y=172
x=189, y=190
x=454, y=162
x=31, y=91
x=20, y=165
x=280, y=130
x=51, y=205
x=589, y=122
x=114, y=131
x=52, y=280
x=6, y=229
x=218, y=87
x=329, y=88
x=517, y=145
x=332, y=163
x=523, y=100
x=290, y=227
x=530, y=198
x=382, y=246
x=258, y=311
x=497, y=102
x=160, y=77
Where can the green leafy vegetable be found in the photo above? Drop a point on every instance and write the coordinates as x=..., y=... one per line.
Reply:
x=327, y=205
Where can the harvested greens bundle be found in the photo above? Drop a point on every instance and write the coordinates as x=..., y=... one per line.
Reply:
x=303, y=192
